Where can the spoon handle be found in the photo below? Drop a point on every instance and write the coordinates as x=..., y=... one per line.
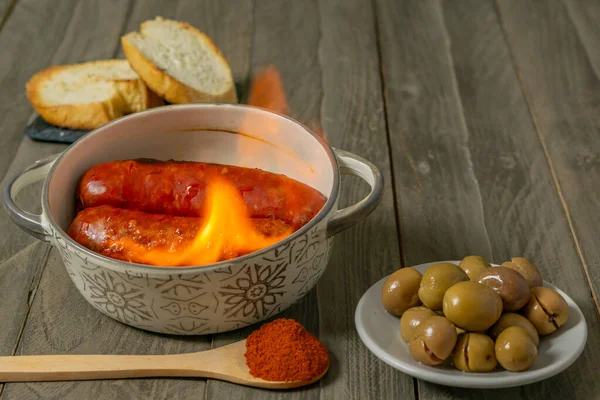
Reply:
x=89, y=367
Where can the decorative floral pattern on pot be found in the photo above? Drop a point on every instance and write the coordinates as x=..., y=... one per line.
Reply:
x=192, y=303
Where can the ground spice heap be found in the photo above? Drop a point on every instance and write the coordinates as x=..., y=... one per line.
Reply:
x=282, y=350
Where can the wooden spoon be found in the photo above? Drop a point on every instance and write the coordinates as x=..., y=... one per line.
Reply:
x=226, y=363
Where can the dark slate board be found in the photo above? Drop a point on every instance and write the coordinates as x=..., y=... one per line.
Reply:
x=45, y=132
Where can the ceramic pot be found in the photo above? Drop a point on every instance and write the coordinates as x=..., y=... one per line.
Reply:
x=217, y=297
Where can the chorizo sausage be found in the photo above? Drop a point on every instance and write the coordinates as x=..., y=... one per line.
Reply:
x=133, y=236
x=178, y=188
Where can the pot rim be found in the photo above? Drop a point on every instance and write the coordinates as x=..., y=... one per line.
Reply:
x=125, y=265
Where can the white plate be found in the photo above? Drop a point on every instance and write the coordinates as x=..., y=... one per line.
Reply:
x=380, y=332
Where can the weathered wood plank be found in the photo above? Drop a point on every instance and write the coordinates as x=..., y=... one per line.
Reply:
x=74, y=326
x=439, y=197
x=567, y=111
x=527, y=201
x=563, y=97
x=5, y=9
x=353, y=118
x=463, y=103
x=584, y=15
x=19, y=278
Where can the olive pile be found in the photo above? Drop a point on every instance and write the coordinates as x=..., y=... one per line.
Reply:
x=474, y=315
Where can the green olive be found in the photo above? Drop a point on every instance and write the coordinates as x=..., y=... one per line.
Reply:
x=411, y=319
x=458, y=330
x=515, y=351
x=472, y=306
x=433, y=340
x=400, y=291
x=474, y=352
x=436, y=280
x=509, y=284
x=527, y=269
x=473, y=265
x=547, y=310
x=512, y=319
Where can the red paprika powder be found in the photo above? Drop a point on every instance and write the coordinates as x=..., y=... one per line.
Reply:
x=282, y=350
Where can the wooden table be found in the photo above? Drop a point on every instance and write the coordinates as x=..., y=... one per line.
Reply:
x=483, y=116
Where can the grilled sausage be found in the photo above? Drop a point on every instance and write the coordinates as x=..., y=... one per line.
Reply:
x=155, y=239
x=178, y=188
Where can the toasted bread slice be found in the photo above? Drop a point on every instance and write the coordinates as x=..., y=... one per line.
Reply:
x=87, y=95
x=179, y=62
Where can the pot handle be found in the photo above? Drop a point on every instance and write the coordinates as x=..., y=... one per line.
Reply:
x=351, y=164
x=30, y=223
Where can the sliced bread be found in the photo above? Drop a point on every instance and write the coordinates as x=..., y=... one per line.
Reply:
x=179, y=62
x=87, y=95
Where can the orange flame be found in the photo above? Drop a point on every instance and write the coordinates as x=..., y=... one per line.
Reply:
x=267, y=91
x=227, y=232
x=227, y=229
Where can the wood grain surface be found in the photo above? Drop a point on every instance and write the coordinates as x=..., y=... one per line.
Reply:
x=584, y=15
x=481, y=115
x=477, y=121
x=6, y=7
x=561, y=84
x=19, y=279
x=522, y=199
x=439, y=198
x=353, y=118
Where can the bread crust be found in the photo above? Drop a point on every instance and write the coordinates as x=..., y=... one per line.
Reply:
x=165, y=85
x=131, y=95
x=77, y=116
